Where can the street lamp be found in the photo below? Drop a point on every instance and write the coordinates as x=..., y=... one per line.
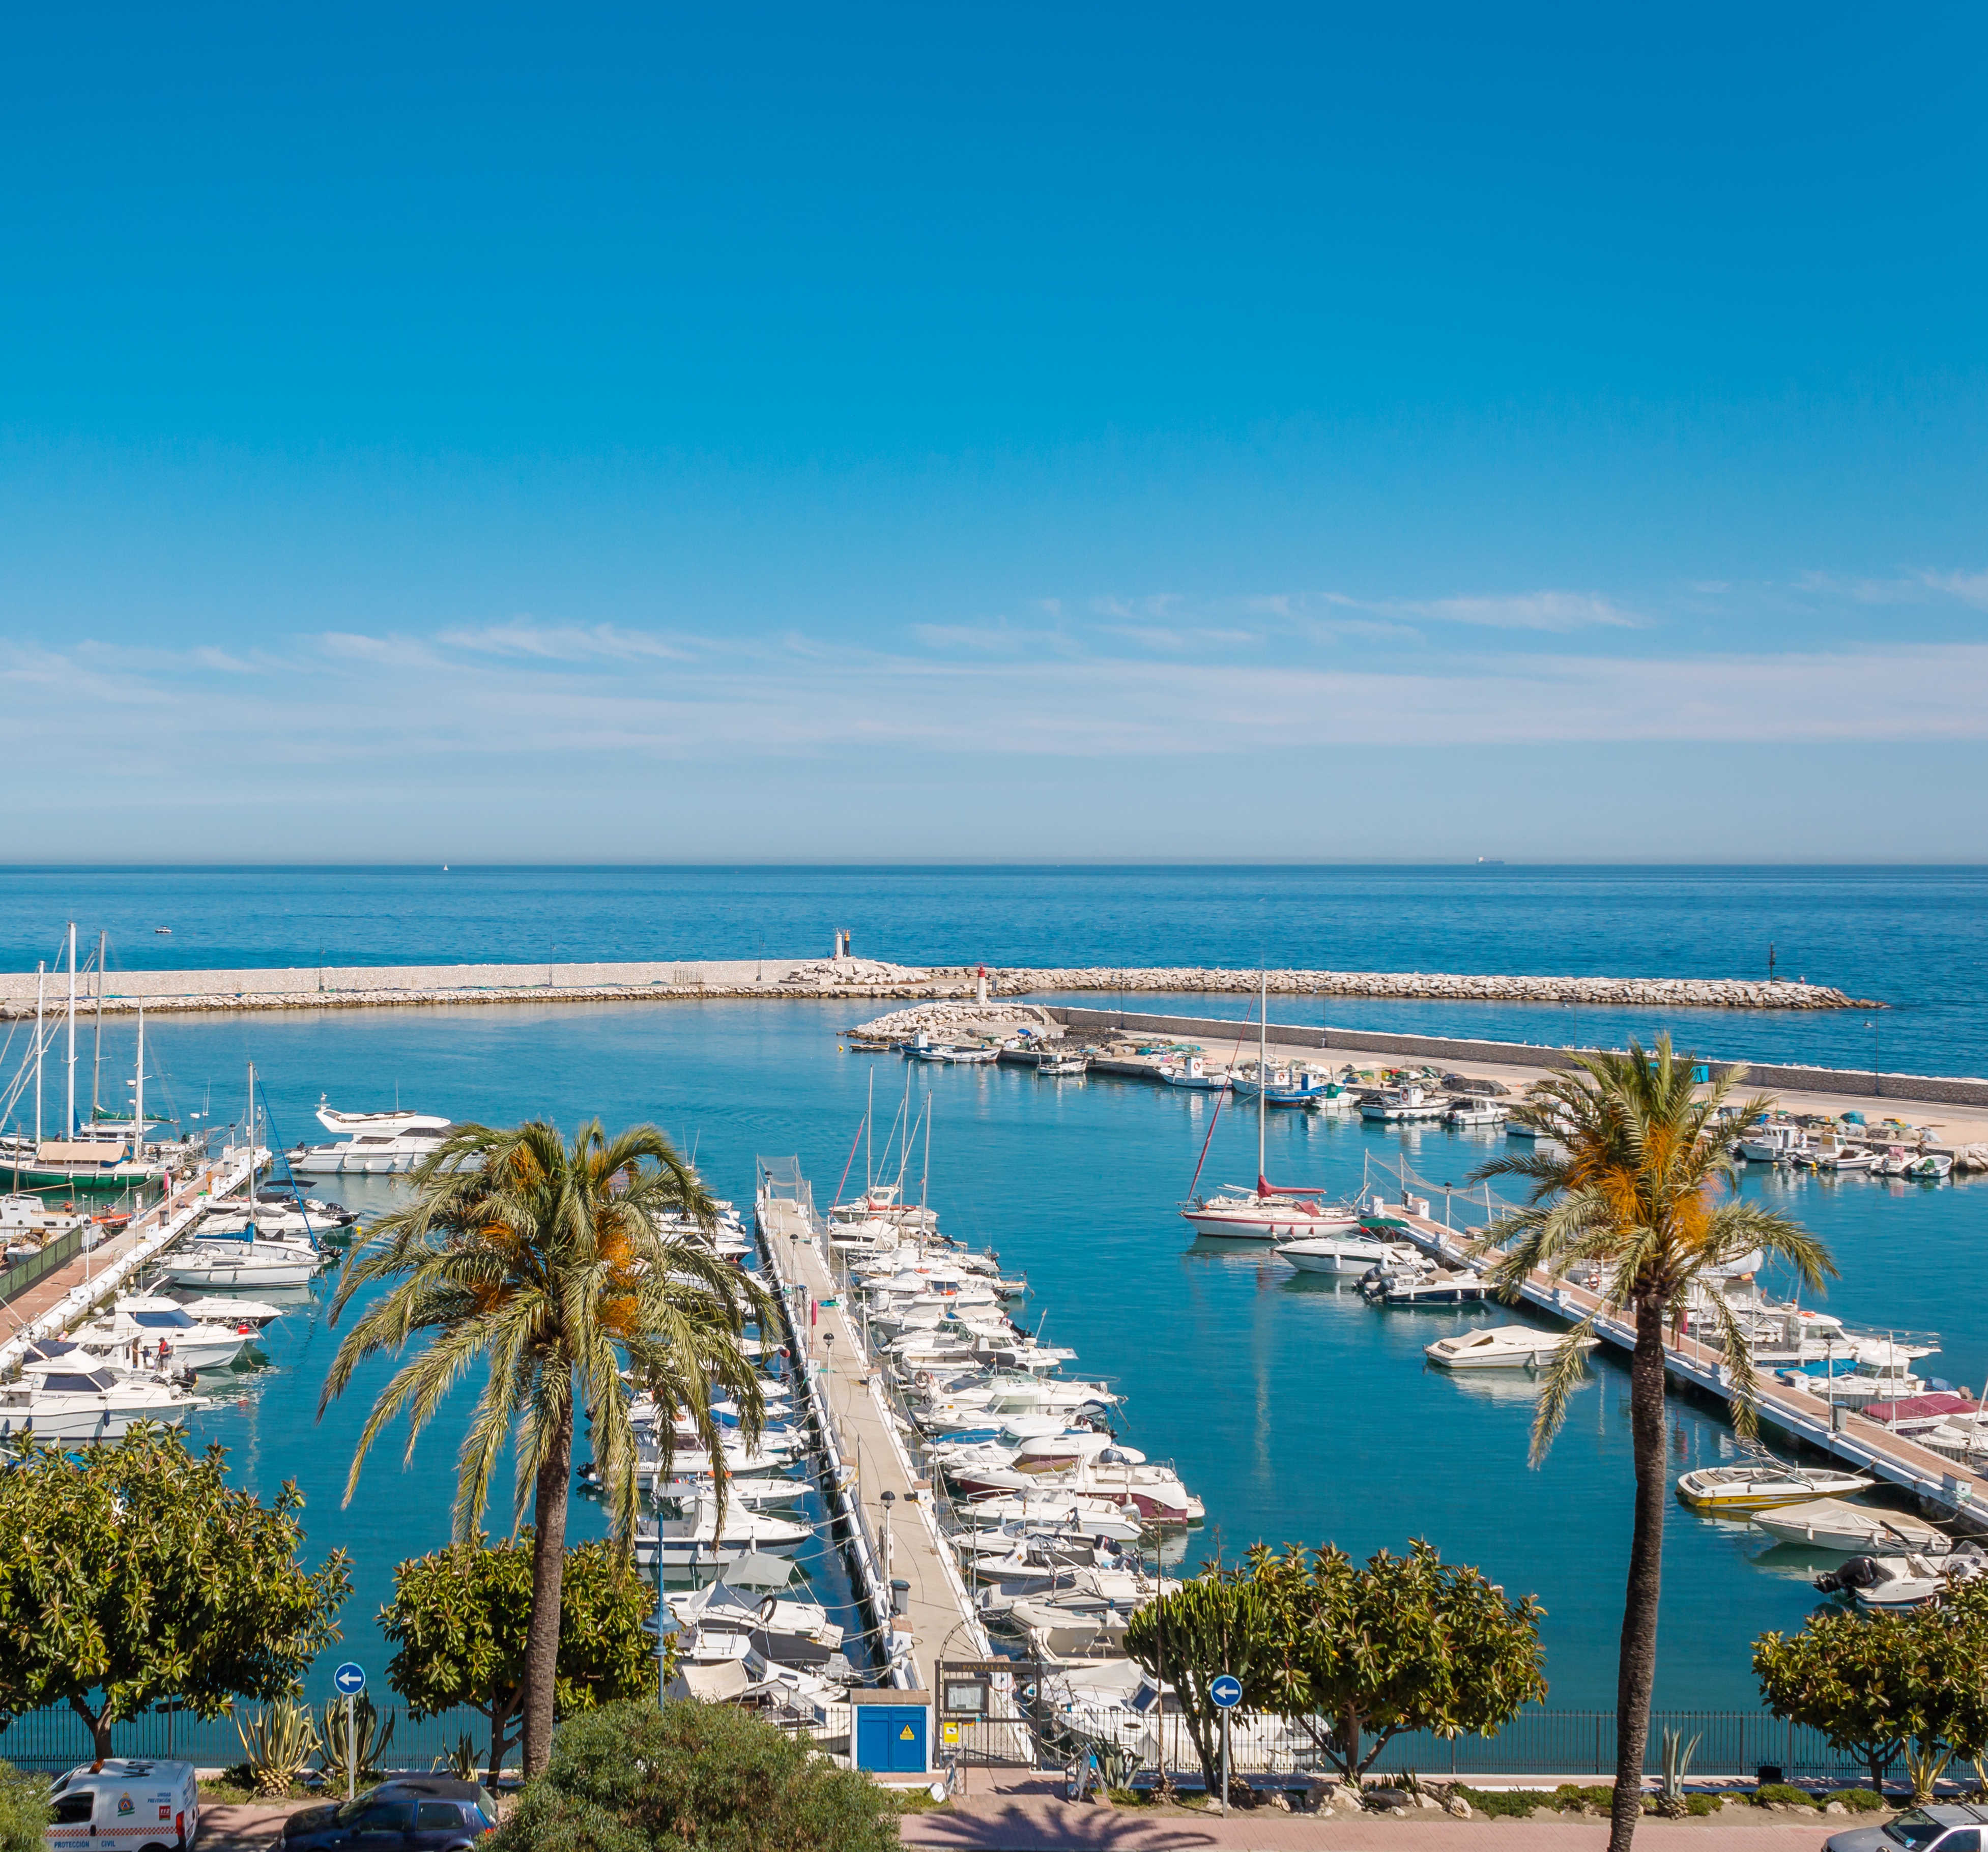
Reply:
x=889, y=1498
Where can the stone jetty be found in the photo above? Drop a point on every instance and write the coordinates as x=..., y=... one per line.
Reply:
x=371, y=988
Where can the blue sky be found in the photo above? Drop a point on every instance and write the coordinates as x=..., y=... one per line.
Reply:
x=791, y=433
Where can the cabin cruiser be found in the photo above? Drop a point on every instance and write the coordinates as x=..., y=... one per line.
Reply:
x=379, y=1143
x=1855, y=1530
x=1474, y=1109
x=135, y=1329
x=94, y=1404
x=1774, y=1144
x=1880, y=1373
x=1155, y=1491
x=1352, y=1253
x=242, y=1313
x=224, y=1261
x=698, y=1538
x=1762, y=1484
x=1503, y=1347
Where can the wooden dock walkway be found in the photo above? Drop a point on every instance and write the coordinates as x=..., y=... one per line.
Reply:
x=1940, y=1483
x=864, y=1454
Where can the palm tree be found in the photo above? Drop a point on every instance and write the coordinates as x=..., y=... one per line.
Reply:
x=553, y=1263
x=1639, y=1182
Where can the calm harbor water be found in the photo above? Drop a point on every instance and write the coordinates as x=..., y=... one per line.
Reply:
x=1914, y=938
x=1297, y=1412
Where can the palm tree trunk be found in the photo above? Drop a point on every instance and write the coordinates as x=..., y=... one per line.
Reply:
x=1636, y=1670
x=548, y=1572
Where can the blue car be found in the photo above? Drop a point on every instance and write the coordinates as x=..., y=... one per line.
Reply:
x=419, y=1813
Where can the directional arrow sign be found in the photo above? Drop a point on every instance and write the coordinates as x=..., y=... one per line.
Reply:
x=351, y=1680
x=1226, y=1692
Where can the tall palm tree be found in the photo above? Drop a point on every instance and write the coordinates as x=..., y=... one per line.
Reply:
x=1639, y=1182
x=553, y=1263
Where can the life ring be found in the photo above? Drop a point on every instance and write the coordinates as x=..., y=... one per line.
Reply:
x=923, y=1379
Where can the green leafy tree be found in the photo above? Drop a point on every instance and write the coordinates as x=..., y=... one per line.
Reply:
x=136, y=1573
x=1638, y=1180
x=631, y=1778
x=1407, y=1643
x=460, y=1622
x=1220, y=1622
x=552, y=1264
x=1874, y=1683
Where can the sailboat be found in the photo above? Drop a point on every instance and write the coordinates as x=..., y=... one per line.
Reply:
x=1264, y=1214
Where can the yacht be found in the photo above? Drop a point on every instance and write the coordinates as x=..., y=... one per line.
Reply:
x=698, y=1540
x=1502, y=1347
x=1353, y=1253
x=97, y=1404
x=379, y=1143
x=250, y=1264
x=1270, y=1215
x=189, y=1344
x=1760, y=1485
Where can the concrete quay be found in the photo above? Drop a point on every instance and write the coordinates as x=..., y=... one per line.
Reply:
x=862, y=1454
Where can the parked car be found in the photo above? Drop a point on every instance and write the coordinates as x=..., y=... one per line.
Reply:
x=1938, y=1829
x=417, y=1813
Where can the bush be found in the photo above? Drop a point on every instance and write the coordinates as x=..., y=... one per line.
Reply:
x=626, y=1777
x=1858, y=1800
x=24, y=1809
x=1570, y=1798
x=1503, y=1803
x=1779, y=1794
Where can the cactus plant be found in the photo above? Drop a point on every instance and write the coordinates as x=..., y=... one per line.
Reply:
x=461, y=1761
x=1671, y=1803
x=1924, y=1764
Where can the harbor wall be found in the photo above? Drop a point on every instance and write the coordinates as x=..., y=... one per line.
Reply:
x=331, y=980
x=1853, y=1083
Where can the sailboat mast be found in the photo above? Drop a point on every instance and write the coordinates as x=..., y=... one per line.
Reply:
x=926, y=1179
x=71, y=1132
x=96, y=1056
x=1262, y=1081
x=41, y=966
x=869, y=1175
x=138, y=1109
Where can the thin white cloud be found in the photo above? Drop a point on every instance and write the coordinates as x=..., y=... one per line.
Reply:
x=564, y=642
x=1559, y=611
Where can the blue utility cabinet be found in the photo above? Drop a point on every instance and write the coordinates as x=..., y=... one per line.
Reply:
x=892, y=1731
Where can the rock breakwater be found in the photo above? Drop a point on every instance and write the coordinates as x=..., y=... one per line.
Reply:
x=1692, y=993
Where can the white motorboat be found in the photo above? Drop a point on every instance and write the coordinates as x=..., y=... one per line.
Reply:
x=238, y=1312
x=1855, y=1530
x=1882, y=1373
x=1155, y=1491
x=1474, y=1109
x=1762, y=1484
x=1193, y=1074
x=1930, y=1166
x=1502, y=1347
x=97, y=1404
x=696, y=1539
x=1002, y=1519
x=1402, y=1105
x=957, y=1055
x=1844, y=1158
x=376, y=1143
x=188, y=1343
x=1774, y=1144
x=1353, y=1253
x=1910, y=1580
x=1052, y=1066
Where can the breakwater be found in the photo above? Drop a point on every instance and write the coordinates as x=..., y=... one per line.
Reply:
x=372, y=987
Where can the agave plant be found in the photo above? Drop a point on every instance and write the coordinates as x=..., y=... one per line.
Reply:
x=279, y=1744
x=461, y=1761
x=336, y=1738
x=1924, y=1764
x=1671, y=1802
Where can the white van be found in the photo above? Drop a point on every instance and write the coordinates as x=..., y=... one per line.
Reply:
x=124, y=1807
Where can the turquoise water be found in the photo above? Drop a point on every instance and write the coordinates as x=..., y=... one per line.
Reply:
x=1914, y=938
x=1296, y=1410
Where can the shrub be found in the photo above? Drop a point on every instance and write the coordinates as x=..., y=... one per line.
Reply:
x=626, y=1777
x=1698, y=1806
x=1503, y=1803
x=1570, y=1798
x=24, y=1809
x=1779, y=1794
x=1858, y=1800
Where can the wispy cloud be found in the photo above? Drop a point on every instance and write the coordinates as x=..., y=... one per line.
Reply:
x=1545, y=610
x=564, y=642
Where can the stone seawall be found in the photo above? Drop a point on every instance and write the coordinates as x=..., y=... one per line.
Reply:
x=332, y=987
x=1850, y=1082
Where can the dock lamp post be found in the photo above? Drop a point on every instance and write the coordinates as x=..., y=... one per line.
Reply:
x=889, y=1498
x=1877, y=1078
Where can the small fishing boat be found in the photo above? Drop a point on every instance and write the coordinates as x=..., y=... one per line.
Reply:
x=1474, y=1109
x=1192, y=1075
x=1855, y=1530
x=1502, y=1347
x=1402, y=1105
x=1844, y=1158
x=1774, y=1144
x=956, y=1055
x=1762, y=1484
x=1059, y=1067
x=1930, y=1166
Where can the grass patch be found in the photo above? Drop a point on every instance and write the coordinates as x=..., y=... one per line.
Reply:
x=919, y=1800
x=1570, y=1799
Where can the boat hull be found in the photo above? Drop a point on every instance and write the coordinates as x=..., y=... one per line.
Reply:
x=1349, y=1258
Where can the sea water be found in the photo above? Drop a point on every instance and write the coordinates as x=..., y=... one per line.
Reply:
x=1911, y=939
x=1299, y=1413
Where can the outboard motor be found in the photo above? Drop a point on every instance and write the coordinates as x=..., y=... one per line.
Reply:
x=1859, y=1572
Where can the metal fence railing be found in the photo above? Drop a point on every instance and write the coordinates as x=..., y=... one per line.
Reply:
x=1560, y=1743
x=31, y=1271
x=57, y=1738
